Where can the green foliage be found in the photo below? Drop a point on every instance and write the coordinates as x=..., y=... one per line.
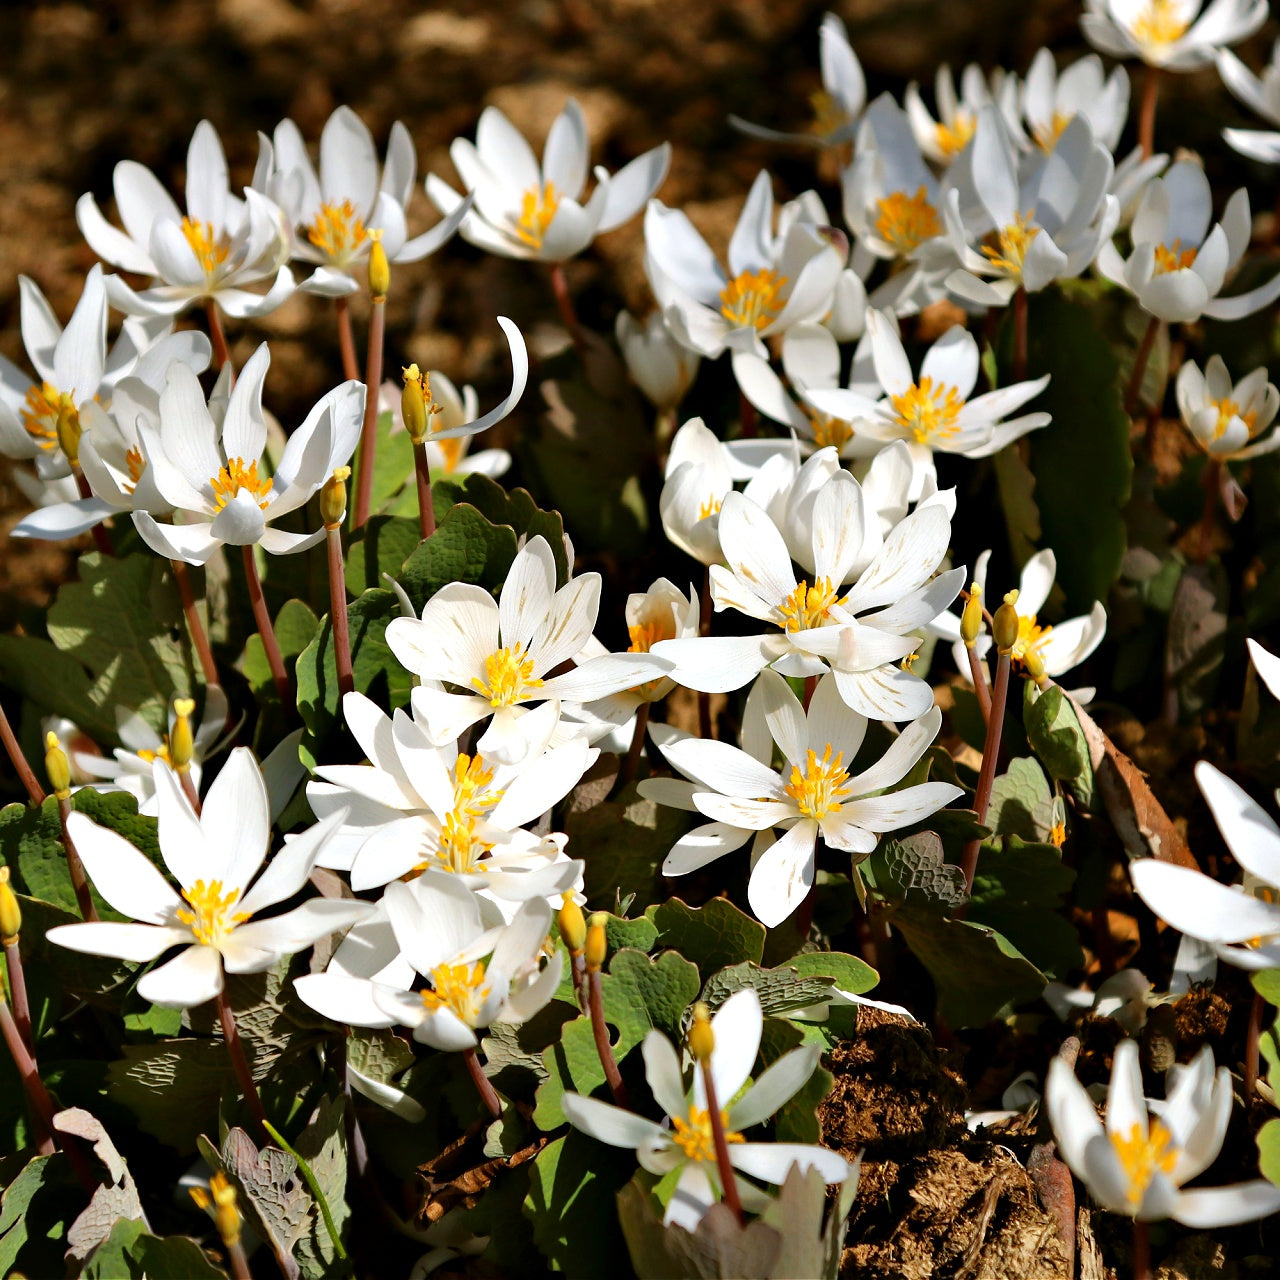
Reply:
x=173, y=1088
x=381, y=546
x=1057, y=739
x=1021, y=802
x=1266, y=982
x=34, y=1217
x=296, y=627
x=713, y=936
x=130, y=1252
x=1268, y=1139
x=780, y=990
x=913, y=869
x=466, y=547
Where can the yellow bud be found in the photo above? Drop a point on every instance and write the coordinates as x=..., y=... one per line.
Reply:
x=573, y=925
x=221, y=1198
x=1034, y=663
x=68, y=428
x=1006, y=623
x=597, y=946
x=702, y=1040
x=413, y=403
x=182, y=746
x=57, y=767
x=10, y=912
x=379, y=268
x=971, y=618
x=333, y=498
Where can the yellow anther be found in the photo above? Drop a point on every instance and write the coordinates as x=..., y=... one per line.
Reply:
x=183, y=743
x=1142, y=1158
x=927, y=412
x=971, y=618
x=333, y=498
x=828, y=115
x=644, y=635
x=809, y=606
x=694, y=1136
x=40, y=414
x=750, y=300
x=10, y=912
x=471, y=778
x=952, y=136
x=237, y=476
x=508, y=678
x=597, y=945
x=68, y=428
x=820, y=789
x=573, y=925
x=1011, y=244
x=1173, y=257
x=221, y=1200
x=1033, y=660
x=56, y=766
x=211, y=249
x=211, y=918
x=702, y=1038
x=337, y=231
x=460, y=988
x=137, y=464
x=906, y=222
x=829, y=432
x=1228, y=409
x=416, y=407
x=1058, y=834
x=711, y=507
x=1160, y=23
x=538, y=208
x=1007, y=625
x=1047, y=135
x=379, y=269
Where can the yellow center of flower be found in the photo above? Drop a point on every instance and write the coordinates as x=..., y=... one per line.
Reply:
x=538, y=207
x=451, y=452
x=952, y=136
x=1007, y=247
x=1228, y=409
x=1048, y=133
x=808, y=606
x=906, y=221
x=829, y=432
x=828, y=115
x=1160, y=23
x=750, y=300
x=236, y=476
x=211, y=917
x=644, y=635
x=211, y=249
x=928, y=412
x=137, y=464
x=1058, y=834
x=161, y=753
x=40, y=414
x=1173, y=257
x=337, y=231
x=461, y=849
x=471, y=779
x=1142, y=1158
x=508, y=678
x=709, y=508
x=460, y=988
x=694, y=1137
x=819, y=790
x=1030, y=638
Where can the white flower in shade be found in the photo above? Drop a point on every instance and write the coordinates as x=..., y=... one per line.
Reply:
x=775, y=279
x=523, y=210
x=812, y=796
x=220, y=245
x=860, y=634
x=1051, y=99
x=1173, y=34
x=215, y=471
x=684, y=1141
x=659, y=365
x=1135, y=1165
x=1179, y=262
x=1241, y=924
x=214, y=858
x=416, y=806
x=934, y=411
x=837, y=105
x=500, y=656
x=1048, y=227
x=1228, y=421
x=1130, y=179
x=1267, y=666
x=333, y=212
x=1260, y=95
x=1060, y=647
x=943, y=139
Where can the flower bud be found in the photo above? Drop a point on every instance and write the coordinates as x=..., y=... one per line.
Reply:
x=1033, y=660
x=333, y=498
x=56, y=766
x=971, y=618
x=1006, y=623
x=379, y=269
x=597, y=945
x=221, y=1197
x=573, y=925
x=702, y=1040
x=10, y=912
x=413, y=403
x=68, y=428
x=182, y=745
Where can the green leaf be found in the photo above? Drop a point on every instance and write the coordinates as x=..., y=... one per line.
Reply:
x=173, y=1088
x=131, y=1251
x=33, y=1226
x=1266, y=982
x=323, y=1146
x=850, y=973
x=466, y=547
x=513, y=1051
x=1017, y=499
x=55, y=682
x=713, y=936
x=98, y=979
x=1056, y=737
x=1021, y=802
x=392, y=465
x=797, y=1119
x=382, y=546
x=295, y=628
x=1269, y=1150
x=914, y=868
x=780, y=990
x=640, y=933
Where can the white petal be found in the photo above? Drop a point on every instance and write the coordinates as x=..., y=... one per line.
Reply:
x=189, y=979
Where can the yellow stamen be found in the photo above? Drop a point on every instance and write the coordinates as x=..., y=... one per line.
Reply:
x=644, y=635
x=1142, y=1158
x=828, y=115
x=508, y=678
x=471, y=778
x=952, y=136
x=1011, y=245
x=236, y=476
x=1058, y=834
x=820, y=789
x=1228, y=409
x=927, y=412
x=750, y=300
x=162, y=752
x=1160, y=23
x=40, y=414
x=337, y=231
x=1047, y=135
x=211, y=249
x=808, y=606
x=1030, y=638
x=538, y=207
x=452, y=452
x=137, y=464
x=709, y=508
x=829, y=432
x=693, y=1136
x=907, y=221
x=459, y=988
x=910, y=660
x=211, y=917
x=1173, y=257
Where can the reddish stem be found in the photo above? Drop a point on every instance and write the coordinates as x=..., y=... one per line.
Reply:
x=33, y=1086
x=1141, y=1240
x=101, y=539
x=978, y=674
x=268, y=633
x=195, y=627
x=79, y=881
x=484, y=1087
x=1251, y=1048
x=1147, y=113
x=338, y=612
x=810, y=684
x=369, y=429
x=1134, y=390
x=221, y=354
x=346, y=340
x=987, y=776
x=600, y=1031
x=1204, y=530
x=747, y=413
x=189, y=790
x=20, y=766
x=18, y=989
x=721, y=1143
x=632, y=759
x=564, y=302
x=426, y=503
x=235, y=1047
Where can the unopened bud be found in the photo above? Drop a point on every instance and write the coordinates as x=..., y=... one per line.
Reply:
x=971, y=618
x=333, y=498
x=702, y=1040
x=221, y=1199
x=573, y=925
x=56, y=766
x=182, y=744
x=1033, y=660
x=413, y=403
x=10, y=912
x=1006, y=623
x=597, y=945
x=379, y=269
x=68, y=428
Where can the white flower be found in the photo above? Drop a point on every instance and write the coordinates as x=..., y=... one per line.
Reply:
x=337, y=209
x=502, y=654
x=1048, y=227
x=684, y=1142
x=213, y=858
x=221, y=243
x=1267, y=666
x=523, y=210
x=1169, y=33
x=1228, y=422
x=933, y=412
x=1052, y=99
x=1259, y=94
x=943, y=139
x=1060, y=647
x=1241, y=924
x=659, y=365
x=837, y=106
x=776, y=279
x=215, y=470
x=813, y=795
x=1135, y=1165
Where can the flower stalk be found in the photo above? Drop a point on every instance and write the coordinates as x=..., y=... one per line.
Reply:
x=217, y=336
x=1147, y=112
x=1133, y=392
x=631, y=761
x=416, y=408
x=195, y=627
x=702, y=1042
x=268, y=632
x=488, y=1094
x=37, y=1095
x=1251, y=1049
x=379, y=283
x=573, y=930
x=705, y=726
x=1141, y=1236
x=10, y=930
x=58, y=771
x=564, y=303
x=346, y=340
x=596, y=948
x=1020, y=335
x=333, y=510
x=182, y=748
x=971, y=622
x=220, y=1202
x=240, y=1063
